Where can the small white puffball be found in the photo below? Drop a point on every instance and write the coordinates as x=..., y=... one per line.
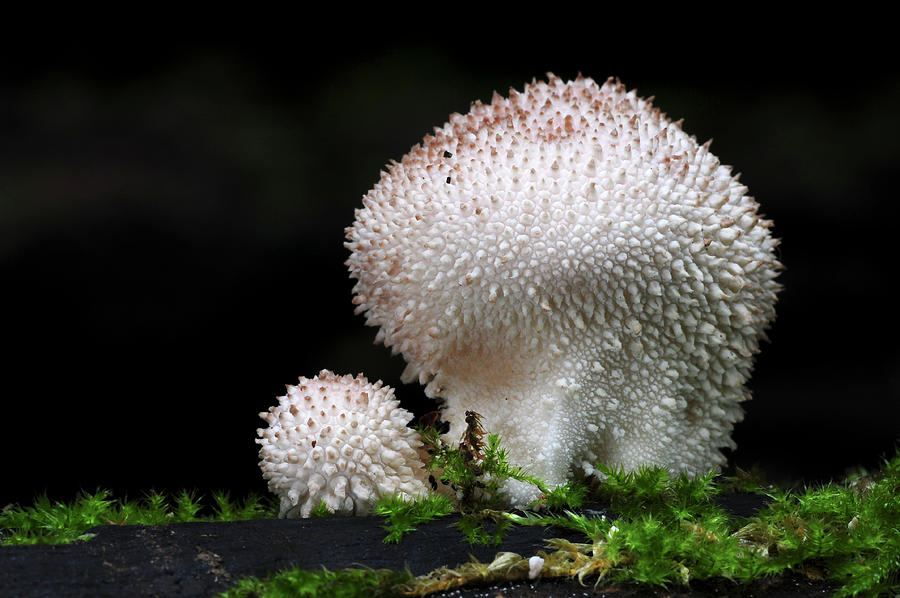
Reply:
x=535, y=564
x=341, y=440
x=572, y=265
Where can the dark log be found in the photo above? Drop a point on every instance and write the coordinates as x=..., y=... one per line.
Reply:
x=203, y=559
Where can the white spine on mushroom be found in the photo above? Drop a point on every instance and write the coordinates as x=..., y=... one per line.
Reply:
x=341, y=440
x=573, y=266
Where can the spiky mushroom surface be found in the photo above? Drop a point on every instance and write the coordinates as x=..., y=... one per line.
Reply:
x=341, y=440
x=573, y=266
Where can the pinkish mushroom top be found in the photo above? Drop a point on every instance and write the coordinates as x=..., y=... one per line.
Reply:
x=572, y=265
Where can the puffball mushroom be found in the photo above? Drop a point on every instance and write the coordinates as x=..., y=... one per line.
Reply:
x=573, y=266
x=341, y=440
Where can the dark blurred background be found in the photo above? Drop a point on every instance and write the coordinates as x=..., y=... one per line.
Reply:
x=172, y=214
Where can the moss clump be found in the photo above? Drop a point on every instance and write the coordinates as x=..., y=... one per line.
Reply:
x=49, y=522
x=475, y=470
x=321, y=510
x=669, y=530
x=851, y=531
x=403, y=515
x=347, y=583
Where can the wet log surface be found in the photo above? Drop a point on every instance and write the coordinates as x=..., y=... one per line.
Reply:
x=203, y=559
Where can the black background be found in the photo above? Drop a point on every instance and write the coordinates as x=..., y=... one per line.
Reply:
x=173, y=205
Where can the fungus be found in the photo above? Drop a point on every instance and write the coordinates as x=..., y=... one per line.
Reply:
x=341, y=440
x=573, y=266
x=535, y=564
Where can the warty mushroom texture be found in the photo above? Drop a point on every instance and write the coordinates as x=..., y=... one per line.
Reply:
x=341, y=440
x=573, y=266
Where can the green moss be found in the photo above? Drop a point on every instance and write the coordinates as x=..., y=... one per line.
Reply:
x=668, y=530
x=321, y=510
x=653, y=490
x=853, y=530
x=348, y=583
x=476, y=470
x=403, y=515
x=49, y=522
x=484, y=527
x=570, y=495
